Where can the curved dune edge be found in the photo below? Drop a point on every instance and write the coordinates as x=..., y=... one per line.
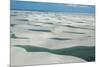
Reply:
x=20, y=57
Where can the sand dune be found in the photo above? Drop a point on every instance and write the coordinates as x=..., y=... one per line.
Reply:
x=41, y=28
x=52, y=31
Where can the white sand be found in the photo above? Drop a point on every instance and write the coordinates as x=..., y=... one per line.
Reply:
x=80, y=31
x=57, y=28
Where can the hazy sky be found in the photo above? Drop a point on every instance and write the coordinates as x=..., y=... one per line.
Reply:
x=52, y=7
x=88, y=2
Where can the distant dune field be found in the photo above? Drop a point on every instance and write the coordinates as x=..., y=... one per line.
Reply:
x=51, y=37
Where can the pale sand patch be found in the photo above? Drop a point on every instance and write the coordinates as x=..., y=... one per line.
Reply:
x=55, y=44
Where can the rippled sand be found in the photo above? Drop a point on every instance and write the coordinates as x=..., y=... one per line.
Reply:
x=49, y=30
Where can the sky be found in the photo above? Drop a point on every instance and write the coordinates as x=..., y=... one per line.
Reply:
x=54, y=7
x=86, y=2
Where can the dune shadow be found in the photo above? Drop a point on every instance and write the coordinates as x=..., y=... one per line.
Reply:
x=78, y=27
x=57, y=38
x=15, y=37
x=38, y=30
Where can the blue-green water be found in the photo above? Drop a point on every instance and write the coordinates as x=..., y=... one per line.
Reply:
x=86, y=53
